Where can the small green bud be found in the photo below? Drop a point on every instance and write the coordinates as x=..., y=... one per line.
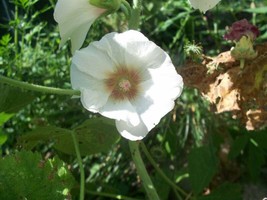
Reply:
x=106, y=4
x=244, y=49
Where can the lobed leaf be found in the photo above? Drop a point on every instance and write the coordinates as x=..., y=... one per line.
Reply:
x=94, y=136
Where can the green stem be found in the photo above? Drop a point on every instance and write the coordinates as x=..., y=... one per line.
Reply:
x=135, y=17
x=160, y=172
x=113, y=196
x=141, y=170
x=38, y=88
x=16, y=27
x=79, y=159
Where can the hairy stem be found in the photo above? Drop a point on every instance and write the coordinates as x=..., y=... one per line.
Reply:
x=38, y=88
x=160, y=172
x=141, y=170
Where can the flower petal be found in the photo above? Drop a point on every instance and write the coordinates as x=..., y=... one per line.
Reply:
x=72, y=16
x=130, y=132
x=78, y=36
x=94, y=62
x=203, y=5
x=120, y=110
x=133, y=48
x=159, y=95
x=91, y=98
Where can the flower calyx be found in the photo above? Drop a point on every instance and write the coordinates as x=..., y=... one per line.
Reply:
x=244, y=49
x=110, y=5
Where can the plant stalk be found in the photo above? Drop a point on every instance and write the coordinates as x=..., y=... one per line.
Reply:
x=79, y=159
x=141, y=170
x=38, y=88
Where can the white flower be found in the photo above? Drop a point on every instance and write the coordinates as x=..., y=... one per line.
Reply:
x=75, y=18
x=126, y=77
x=203, y=5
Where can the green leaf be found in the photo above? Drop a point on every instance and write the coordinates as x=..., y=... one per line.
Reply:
x=227, y=191
x=255, y=160
x=202, y=165
x=4, y=117
x=26, y=175
x=5, y=40
x=13, y=99
x=259, y=10
x=3, y=138
x=94, y=136
x=260, y=137
x=45, y=134
x=238, y=145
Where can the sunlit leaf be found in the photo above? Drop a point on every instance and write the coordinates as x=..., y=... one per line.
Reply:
x=4, y=117
x=26, y=175
x=3, y=138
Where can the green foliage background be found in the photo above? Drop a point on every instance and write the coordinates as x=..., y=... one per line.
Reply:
x=188, y=144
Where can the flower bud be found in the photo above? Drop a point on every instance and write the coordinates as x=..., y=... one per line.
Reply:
x=242, y=28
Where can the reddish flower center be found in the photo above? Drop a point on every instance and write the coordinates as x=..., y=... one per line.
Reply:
x=123, y=84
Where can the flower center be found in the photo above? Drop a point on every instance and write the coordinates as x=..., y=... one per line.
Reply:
x=123, y=84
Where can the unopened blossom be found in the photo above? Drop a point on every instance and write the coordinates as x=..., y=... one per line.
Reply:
x=243, y=34
x=75, y=18
x=203, y=5
x=242, y=28
x=126, y=77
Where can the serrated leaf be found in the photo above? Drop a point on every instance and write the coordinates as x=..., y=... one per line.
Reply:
x=227, y=191
x=202, y=165
x=94, y=136
x=26, y=175
x=238, y=145
x=9, y=101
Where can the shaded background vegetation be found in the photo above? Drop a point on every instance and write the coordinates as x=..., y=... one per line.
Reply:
x=201, y=152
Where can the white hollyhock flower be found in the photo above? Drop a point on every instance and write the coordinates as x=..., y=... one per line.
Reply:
x=126, y=77
x=203, y=5
x=75, y=18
